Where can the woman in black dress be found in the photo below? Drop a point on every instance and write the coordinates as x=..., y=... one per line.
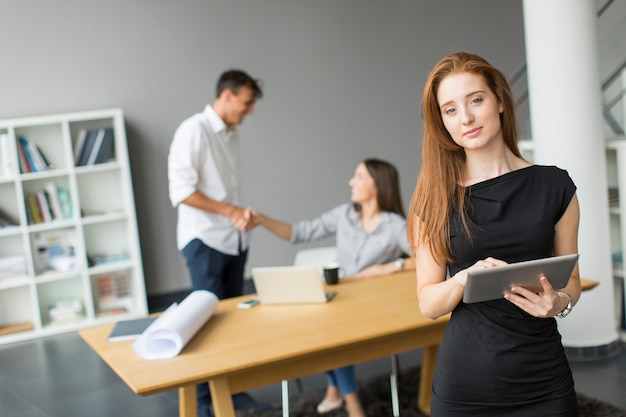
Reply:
x=479, y=204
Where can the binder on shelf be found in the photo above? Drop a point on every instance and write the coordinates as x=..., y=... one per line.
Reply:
x=86, y=147
x=80, y=142
x=106, y=150
x=97, y=144
x=94, y=146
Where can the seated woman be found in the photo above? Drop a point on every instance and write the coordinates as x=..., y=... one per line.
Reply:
x=371, y=238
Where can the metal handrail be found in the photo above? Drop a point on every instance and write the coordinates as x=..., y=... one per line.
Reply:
x=606, y=108
x=602, y=9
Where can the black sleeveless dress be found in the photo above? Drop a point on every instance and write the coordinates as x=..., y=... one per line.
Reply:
x=495, y=359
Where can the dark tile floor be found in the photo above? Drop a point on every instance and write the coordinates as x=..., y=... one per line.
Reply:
x=60, y=376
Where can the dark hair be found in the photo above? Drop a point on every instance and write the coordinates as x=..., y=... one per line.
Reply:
x=387, y=183
x=233, y=79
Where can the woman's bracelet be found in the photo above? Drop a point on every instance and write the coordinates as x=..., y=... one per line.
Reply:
x=568, y=308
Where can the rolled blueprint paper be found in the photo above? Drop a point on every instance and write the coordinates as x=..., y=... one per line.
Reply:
x=166, y=337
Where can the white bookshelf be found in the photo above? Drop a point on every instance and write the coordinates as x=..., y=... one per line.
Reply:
x=616, y=180
x=83, y=267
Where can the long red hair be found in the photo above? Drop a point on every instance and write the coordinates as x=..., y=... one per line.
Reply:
x=439, y=191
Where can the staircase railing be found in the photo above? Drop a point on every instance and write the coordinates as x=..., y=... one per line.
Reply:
x=607, y=87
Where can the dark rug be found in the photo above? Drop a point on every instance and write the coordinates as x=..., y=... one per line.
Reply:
x=375, y=397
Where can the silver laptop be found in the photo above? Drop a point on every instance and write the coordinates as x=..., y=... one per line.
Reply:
x=290, y=285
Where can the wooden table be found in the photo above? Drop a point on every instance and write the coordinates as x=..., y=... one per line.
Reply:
x=587, y=284
x=238, y=350
x=241, y=349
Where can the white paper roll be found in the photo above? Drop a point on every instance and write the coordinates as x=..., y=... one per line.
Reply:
x=168, y=335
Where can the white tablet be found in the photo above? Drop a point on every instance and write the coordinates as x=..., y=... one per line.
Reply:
x=491, y=283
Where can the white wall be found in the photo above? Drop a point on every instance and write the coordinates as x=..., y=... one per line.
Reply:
x=343, y=82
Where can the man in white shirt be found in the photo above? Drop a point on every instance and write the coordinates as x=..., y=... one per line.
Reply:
x=203, y=174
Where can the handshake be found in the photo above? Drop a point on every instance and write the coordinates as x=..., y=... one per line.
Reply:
x=245, y=219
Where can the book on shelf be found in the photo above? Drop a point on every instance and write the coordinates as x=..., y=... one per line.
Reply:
x=40, y=159
x=43, y=207
x=32, y=209
x=16, y=328
x=106, y=151
x=112, y=286
x=24, y=164
x=48, y=204
x=613, y=197
x=80, y=142
x=65, y=202
x=6, y=159
x=35, y=158
x=66, y=309
x=107, y=258
x=6, y=220
x=29, y=157
x=94, y=146
x=42, y=156
x=113, y=293
x=55, y=250
x=97, y=144
x=12, y=267
x=86, y=147
x=52, y=194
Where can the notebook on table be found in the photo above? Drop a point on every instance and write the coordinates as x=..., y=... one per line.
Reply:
x=129, y=329
x=290, y=285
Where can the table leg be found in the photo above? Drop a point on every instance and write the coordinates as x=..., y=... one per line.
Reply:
x=187, y=402
x=429, y=356
x=221, y=398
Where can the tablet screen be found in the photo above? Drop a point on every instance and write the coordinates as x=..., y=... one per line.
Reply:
x=491, y=283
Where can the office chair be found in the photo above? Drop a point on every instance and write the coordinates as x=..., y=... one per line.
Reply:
x=319, y=257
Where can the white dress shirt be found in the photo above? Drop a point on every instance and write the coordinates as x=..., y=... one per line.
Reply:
x=204, y=157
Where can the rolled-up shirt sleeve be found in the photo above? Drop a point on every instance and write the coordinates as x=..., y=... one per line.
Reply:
x=183, y=162
x=319, y=227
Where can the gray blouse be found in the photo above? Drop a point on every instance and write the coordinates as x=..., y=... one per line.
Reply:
x=356, y=249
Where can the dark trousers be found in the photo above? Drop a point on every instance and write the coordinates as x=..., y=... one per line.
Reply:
x=222, y=275
x=215, y=271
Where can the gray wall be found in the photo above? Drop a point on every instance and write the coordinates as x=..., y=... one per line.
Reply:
x=343, y=82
